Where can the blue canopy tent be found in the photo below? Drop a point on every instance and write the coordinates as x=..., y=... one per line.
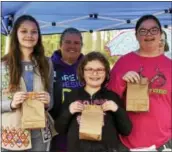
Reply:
x=54, y=17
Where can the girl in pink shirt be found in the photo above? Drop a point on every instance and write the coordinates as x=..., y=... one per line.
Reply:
x=152, y=127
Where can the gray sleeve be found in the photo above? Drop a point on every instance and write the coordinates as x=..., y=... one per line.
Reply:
x=51, y=78
x=6, y=106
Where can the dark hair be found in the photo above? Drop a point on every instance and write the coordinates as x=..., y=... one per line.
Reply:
x=90, y=57
x=13, y=58
x=147, y=17
x=70, y=31
x=166, y=47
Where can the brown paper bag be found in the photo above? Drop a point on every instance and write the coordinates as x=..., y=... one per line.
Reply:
x=33, y=113
x=91, y=123
x=137, y=96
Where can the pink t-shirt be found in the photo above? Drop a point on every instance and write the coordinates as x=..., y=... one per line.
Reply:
x=153, y=127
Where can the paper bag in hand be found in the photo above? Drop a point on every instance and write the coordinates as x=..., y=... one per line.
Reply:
x=137, y=96
x=91, y=123
x=33, y=113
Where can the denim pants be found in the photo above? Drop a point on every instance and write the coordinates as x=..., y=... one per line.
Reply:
x=122, y=147
x=166, y=145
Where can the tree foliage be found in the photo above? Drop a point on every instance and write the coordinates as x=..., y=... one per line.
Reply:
x=91, y=42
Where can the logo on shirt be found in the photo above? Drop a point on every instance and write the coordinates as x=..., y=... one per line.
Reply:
x=156, y=82
x=70, y=81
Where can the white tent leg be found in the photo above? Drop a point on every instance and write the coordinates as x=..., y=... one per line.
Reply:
x=7, y=43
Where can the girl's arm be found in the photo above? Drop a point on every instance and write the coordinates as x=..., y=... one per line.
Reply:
x=116, y=83
x=121, y=119
x=5, y=106
x=122, y=122
x=50, y=91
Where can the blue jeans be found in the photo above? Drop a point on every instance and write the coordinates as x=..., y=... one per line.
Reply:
x=167, y=145
x=122, y=148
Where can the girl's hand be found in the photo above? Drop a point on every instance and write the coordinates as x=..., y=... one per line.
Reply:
x=131, y=76
x=76, y=107
x=44, y=97
x=18, y=98
x=110, y=105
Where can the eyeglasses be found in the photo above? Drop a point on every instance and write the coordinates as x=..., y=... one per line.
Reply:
x=91, y=71
x=152, y=31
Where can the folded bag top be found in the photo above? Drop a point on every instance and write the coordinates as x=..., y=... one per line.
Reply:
x=33, y=113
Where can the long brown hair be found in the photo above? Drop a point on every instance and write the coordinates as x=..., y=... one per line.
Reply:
x=13, y=58
x=166, y=46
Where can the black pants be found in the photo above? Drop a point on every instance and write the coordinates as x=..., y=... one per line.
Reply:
x=91, y=146
x=122, y=147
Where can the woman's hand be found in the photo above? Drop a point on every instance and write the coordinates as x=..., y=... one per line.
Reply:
x=110, y=105
x=131, y=76
x=44, y=97
x=18, y=98
x=76, y=107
